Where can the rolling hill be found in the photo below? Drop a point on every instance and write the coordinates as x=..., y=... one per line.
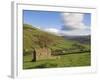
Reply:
x=72, y=53
x=36, y=38
x=31, y=35
x=80, y=39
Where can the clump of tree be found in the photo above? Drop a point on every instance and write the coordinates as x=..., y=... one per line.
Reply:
x=76, y=48
x=80, y=47
x=44, y=40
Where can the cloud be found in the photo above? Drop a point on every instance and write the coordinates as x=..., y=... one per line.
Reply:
x=53, y=31
x=75, y=33
x=73, y=25
x=73, y=21
x=68, y=33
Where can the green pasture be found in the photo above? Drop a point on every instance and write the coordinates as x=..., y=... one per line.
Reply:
x=68, y=60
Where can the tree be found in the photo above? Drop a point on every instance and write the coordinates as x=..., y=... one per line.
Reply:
x=79, y=46
x=44, y=40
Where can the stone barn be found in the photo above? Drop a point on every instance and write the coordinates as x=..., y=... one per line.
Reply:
x=41, y=54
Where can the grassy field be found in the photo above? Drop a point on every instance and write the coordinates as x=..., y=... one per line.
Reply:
x=69, y=60
x=76, y=54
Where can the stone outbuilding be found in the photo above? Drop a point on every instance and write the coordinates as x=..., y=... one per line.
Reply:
x=41, y=54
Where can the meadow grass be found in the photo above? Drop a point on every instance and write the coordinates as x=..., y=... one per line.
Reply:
x=68, y=60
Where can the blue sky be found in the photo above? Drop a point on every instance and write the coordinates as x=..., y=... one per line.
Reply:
x=87, y=19
x=42, y=18
x=49, y=19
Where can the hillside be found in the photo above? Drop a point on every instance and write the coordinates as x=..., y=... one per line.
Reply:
x=36, y=38
x=32, y=34
x=68, y=53
x=80, y=39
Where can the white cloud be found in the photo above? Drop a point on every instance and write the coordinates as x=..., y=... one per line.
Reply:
x=68, y=32
x=73, y=21
x=74, y=26
x=75, y=32
x=52, y=30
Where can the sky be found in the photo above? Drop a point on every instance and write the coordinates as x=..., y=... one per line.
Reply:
x=59, y=23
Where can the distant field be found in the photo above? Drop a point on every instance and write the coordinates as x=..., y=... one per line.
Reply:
x=69, y=60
